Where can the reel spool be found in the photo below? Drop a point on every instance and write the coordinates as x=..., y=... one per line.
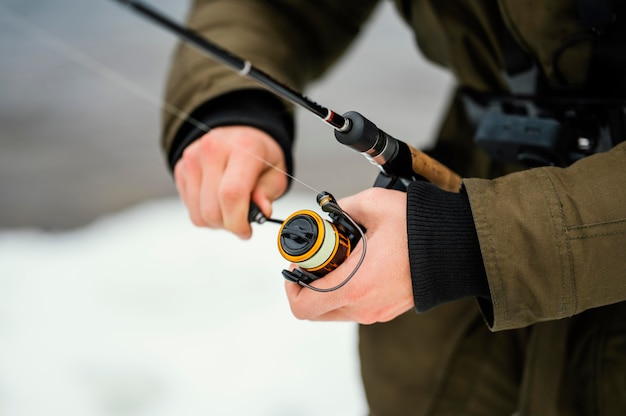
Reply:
x=318, y=246
x=314, y=244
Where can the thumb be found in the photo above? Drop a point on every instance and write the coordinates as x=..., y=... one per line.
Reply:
x=358, y=205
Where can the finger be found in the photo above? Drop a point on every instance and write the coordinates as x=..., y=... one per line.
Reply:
x=188, y=172
x=341, y=314
x=179, y=179
x=308, y=304
x=268, y=189
x=235, y=190
x=213, y=155
x=303, y=311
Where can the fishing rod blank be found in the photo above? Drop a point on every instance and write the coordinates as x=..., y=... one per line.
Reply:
x=242, y=66
x=394, y=157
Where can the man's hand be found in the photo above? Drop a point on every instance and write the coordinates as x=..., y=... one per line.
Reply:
x=381, y=289
x=219, y=173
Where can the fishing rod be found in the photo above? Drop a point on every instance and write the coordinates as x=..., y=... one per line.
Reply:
x=395, y=159
x=315, y=245
x=242, y=66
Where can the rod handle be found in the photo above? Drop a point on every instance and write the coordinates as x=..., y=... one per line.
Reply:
x=393, y=156
x=434, y=171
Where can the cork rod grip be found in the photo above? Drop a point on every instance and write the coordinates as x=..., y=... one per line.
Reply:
x=434, y=171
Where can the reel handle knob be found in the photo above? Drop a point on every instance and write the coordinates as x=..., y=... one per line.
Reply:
x=255, y=214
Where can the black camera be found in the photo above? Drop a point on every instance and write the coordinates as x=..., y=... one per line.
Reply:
x=535, y=131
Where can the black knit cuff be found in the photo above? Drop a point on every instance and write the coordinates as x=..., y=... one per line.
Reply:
x=444, y=253
x=250, y=107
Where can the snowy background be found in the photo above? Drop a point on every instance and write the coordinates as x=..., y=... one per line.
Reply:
x=111, y=302
x=140, y=313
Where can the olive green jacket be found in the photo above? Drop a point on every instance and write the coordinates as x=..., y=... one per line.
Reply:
x=552, y=239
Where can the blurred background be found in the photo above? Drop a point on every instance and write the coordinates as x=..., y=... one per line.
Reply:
x=111, y=303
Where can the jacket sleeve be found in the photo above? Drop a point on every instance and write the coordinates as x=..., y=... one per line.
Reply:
x=552, y=240
x=294, y=41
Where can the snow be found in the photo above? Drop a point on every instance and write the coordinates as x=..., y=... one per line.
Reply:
x=141, y=313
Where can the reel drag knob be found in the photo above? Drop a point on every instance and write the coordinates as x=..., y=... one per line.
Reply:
x=314, y=244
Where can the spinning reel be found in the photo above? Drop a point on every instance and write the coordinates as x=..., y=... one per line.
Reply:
x=317, y=246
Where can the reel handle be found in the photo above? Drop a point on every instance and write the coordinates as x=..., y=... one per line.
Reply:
x=255, y=214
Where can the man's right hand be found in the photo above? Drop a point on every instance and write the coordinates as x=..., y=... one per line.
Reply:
x=219, y=173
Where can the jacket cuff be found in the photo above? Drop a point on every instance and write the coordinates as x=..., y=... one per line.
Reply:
x=444, y=252
x=249, y=107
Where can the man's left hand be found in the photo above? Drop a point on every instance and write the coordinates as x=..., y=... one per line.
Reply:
x=381, y=289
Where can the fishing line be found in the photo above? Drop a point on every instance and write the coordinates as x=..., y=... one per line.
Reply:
x=82, y=59
x=399, y=163
x=395, y=158
x=342, y=223
x=237, y=63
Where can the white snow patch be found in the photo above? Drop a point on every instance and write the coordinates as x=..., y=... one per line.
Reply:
x=141, y=313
